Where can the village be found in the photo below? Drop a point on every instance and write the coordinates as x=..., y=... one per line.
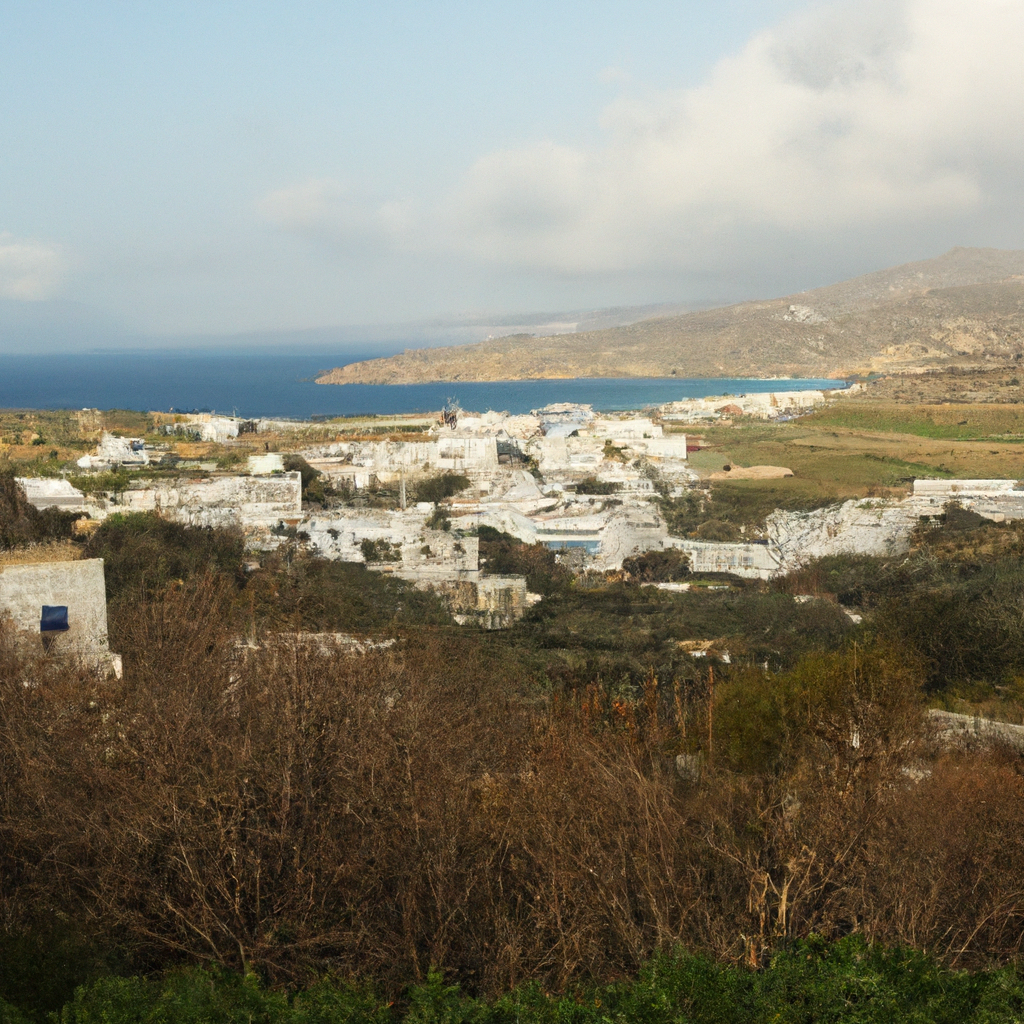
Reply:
x=413, y=503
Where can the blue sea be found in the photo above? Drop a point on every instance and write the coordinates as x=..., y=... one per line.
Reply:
x=282, y=385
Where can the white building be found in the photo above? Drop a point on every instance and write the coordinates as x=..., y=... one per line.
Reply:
x=60, y=609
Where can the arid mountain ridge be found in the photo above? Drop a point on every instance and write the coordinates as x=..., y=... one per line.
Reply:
x=964, y=308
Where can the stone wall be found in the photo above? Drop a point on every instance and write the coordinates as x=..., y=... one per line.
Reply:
x=467, y=454
x=116, y=451
x=265, y=465
x=253, y=503
x=425, y=555
x=867, y=527
x=997, y=500
x=972, y=731
x=501, y=600
x=630, y=530
x=751, y=561
x=960, y=488
x=878, y=527
x=46, y=493
x=621, y=431
x=359, y=462
x=765, y=406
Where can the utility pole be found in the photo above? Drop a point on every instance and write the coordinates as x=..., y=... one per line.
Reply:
x=401, y=491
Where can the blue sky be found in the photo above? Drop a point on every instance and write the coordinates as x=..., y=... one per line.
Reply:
x=183, y=168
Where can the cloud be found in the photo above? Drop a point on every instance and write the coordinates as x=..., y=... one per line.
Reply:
x=851, y=116
x=333, y=211
x=856, y=120
x=29, y=270
x=614, y=76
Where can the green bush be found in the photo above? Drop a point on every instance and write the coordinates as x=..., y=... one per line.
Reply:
x=23, y=523
x=591, y=485
x=619, y=632
x=10, y=1014
x=732, y=504
x=963, y=616
x=810, y=981
x=313, y=488
x=188, y=997
x=658, y=566
x=115, y=481
x=439, y=519
x=325, y=596
x=503, y=555
x=441, y=487
x=42, y=964
x=143, y=552
x=380, y=550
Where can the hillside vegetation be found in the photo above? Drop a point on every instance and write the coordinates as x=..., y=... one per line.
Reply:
x=508, y=808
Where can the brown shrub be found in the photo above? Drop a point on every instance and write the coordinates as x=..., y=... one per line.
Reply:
x=378, y=814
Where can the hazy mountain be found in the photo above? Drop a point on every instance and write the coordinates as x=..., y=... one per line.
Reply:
x=965, y=307
x=35, y=327
x=55, y=326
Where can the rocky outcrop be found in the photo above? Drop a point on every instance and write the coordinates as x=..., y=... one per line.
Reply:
x=855, y=527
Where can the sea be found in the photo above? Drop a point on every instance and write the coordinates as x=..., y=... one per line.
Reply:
x=282, y=384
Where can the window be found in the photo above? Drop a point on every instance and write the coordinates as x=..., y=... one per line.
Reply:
x=54, y=619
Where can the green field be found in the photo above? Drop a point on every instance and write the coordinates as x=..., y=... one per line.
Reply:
x=953, y=422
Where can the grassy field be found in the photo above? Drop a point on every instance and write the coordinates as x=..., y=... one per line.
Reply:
x=952, y=422
x=855, y=448
x=858, y=450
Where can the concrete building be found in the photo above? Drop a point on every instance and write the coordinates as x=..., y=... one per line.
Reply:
x=48, y=493
x=60, y=608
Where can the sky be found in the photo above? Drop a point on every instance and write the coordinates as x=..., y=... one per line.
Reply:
x=176, y=169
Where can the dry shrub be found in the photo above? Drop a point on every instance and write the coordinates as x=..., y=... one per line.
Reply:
x=946, y=873
x=56, y=551
x=294, y=812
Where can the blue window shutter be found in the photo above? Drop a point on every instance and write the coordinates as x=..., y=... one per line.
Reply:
x=54, y=619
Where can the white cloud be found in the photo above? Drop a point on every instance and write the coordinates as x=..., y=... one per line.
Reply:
x=852, y=115
x=29, y=270
x=614, y=76
x=857, y=119
x=333, y=211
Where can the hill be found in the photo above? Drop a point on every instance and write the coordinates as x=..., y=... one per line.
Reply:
x=965, y=308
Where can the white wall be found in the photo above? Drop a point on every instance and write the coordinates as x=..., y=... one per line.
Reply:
x=79, y=585
x=246, y=501
x=751, y=561
x=340, y=534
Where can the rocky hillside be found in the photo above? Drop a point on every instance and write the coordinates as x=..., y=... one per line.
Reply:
x=965, y=308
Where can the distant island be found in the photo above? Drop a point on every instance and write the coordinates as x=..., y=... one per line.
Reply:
x=964, y=308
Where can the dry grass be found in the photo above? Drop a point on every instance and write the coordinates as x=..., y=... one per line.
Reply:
x=60, y=551
x=197, y=449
